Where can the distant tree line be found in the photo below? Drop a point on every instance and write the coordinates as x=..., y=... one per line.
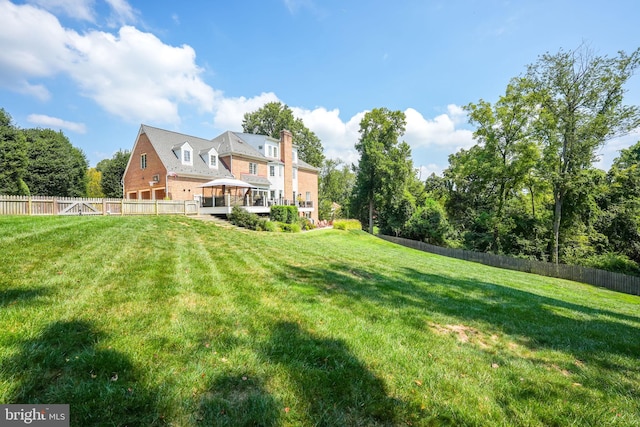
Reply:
x=528, y=188
x=43, y=162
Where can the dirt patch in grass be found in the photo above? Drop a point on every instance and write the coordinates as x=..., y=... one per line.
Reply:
x=465, y=334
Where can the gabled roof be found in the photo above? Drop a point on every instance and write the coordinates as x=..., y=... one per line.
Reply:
x=164, y=142
x=230, y=143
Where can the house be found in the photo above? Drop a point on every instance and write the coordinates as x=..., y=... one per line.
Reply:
x=252, y=171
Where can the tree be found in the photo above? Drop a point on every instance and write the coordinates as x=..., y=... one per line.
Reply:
x=579, y=106
x=274, y=117
x=428, y=223
x=112, y=172
x=506, y=153
x=94, y=188
x=620, y=221
x=55, y=167
x=336, y=183
x=384, y=167
x=13, y=158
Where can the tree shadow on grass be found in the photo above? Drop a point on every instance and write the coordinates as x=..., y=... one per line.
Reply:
x=542, y=320
x=10, y=297
x=331, y=385
x=238, y=399
x=63, y=365
x=604, y=345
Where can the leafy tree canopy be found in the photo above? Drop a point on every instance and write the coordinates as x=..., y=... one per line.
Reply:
x=13, y=158
x=112, y=172
x=55, y=167
x=274, y=117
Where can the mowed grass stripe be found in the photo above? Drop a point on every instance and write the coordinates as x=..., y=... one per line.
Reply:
x=179, y=322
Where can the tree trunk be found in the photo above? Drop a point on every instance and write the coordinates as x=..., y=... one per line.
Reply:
x=371, y=215
x=557, y=214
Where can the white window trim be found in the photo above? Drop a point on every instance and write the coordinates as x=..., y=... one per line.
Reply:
x=214, y=163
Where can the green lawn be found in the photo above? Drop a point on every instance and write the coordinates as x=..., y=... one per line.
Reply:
x=174, y=321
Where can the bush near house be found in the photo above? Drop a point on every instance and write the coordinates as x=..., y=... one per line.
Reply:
x=286, y=214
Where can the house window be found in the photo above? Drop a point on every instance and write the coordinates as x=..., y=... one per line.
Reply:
x=275, y=152
x=272, y=194
x=270, y=151
x=186, y=156
x=253, y=168
x=272, y=170
x=143, y=161
x=213, y=160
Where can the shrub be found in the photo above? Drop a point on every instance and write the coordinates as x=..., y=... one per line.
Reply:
x=429, y=224
x=245, y=219
x=305, y=223
x=347, y=224
x=290, y=228
x=269, y=226
x=617, y=263
x=286, y=214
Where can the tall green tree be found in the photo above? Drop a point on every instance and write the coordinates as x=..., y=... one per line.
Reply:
x=336, y=183
x=274, y=117
x=505, y=155
x=620, y=220
x=580, y=106
x=384, y=168
x=55, y=167
x=112, y=173
x=13, y=158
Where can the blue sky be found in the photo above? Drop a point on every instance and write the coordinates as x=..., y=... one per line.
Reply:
x=97, y=69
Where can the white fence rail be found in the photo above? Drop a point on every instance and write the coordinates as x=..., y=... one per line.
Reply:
x=43, y=205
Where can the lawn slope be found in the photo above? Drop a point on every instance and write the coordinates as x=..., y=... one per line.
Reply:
x=174, y=321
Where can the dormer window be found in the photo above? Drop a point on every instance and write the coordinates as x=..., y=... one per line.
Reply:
x=295, y=156
x=210, y=157
x=184, y=152
x=275, y=152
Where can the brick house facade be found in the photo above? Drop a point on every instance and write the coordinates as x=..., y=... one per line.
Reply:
x=171, y=165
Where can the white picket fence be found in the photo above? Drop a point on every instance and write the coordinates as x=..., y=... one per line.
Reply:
x=43, y=205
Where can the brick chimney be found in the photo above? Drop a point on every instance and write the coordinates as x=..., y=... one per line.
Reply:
x=286, y=153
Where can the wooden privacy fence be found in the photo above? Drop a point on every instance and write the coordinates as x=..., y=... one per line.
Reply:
x=606, y=279
x=42, y=205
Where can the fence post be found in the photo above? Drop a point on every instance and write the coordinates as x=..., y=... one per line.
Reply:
x=155, y=207
x=30, y=206
x=121, y=207
x=104, y=206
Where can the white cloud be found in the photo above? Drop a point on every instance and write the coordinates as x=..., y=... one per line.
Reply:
x=133, y=74
x=338, y=137
x=611, y=150
x=77, y=9
x=33, y=46
x=442, y=131
x=84, y=10
x=56, y=123
x=229, y=112
x=122, y=11
x=136, y=76
x=425, y=171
